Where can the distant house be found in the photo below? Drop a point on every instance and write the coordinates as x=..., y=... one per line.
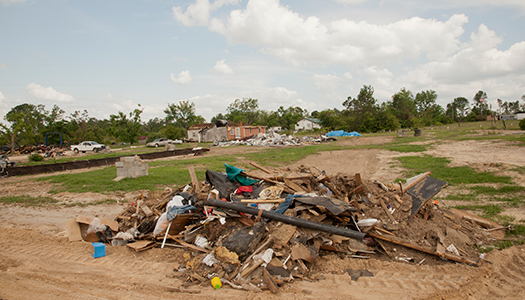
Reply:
x=207, y=132
x=520, y=115
x=222, y=130
x=142, y=140
x=308, y=124
x=240, y=131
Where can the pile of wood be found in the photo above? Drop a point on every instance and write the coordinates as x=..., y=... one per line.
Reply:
x=243, y=241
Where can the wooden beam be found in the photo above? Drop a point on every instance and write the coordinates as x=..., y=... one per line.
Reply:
x=386, y=210
x=194, y=181
x=293, y=185
x=260, y=167
x=398, y=241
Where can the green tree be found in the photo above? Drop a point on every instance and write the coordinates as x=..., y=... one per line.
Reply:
x=358, y=108
x=245, y=110
x=288, y=118
x=404, y=106
x=331, y=119
x=26, y=124
x=127, y=128
x=387, y=118
x=183, y=114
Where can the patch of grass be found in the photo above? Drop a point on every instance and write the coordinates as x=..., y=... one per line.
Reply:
x=459, y=197
x=29, y=201
x=452, y=175
x=406, y=148
x=489, y=211
x=518, y=230
x=100, y=202
x=282, y=156
x=506, y=244
x=520, y=170
x=161, y=173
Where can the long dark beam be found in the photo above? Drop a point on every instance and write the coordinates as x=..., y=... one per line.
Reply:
x=289, y=220
x=83, y=164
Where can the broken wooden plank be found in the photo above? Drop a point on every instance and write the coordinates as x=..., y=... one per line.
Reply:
x=423, y=191
x=293, y=185
x=260, y=167
x=142, y=245
x=285, y=188
x=194, y=182
x=398, y=241
x=268, y=280
x=193, y=247
x=387, y=211
x=146, y=210
x=299, y=251
x=412, y=181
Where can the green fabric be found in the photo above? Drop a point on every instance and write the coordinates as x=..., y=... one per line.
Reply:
x=234, y=174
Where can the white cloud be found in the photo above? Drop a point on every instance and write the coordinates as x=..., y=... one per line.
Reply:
x=326, y=82
x=348, y=76
x=183, y=79
x=306, y=40
x=2, y=98
x=198, y=14
x=48, y=93
x=479, y=59
x=222, y=68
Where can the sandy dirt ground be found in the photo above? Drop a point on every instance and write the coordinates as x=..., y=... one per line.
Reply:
x=38, y=262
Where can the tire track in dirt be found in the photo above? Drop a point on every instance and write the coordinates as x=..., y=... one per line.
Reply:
x=54, y=252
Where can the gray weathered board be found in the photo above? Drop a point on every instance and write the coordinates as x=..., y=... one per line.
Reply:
x=423, y=191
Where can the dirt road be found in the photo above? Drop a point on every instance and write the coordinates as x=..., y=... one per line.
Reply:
x=38, y=262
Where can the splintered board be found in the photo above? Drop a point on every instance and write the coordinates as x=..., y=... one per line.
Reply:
x=423, y=191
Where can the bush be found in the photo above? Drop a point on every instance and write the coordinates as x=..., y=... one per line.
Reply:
x=36, y=157
x=522, y=124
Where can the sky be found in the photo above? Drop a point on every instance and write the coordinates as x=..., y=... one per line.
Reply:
x=111, y=56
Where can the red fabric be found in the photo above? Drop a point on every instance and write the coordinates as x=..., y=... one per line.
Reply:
x=244, y=189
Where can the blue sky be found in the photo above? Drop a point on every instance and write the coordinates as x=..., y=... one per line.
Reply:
x=110, y=56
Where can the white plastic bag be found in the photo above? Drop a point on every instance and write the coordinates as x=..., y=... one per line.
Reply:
x=96, y=226
x=162, y=224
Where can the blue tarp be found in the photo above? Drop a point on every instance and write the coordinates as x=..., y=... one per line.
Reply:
x=342, y=133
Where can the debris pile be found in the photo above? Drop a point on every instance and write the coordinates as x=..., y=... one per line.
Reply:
x=259, y=232
x=274, y=139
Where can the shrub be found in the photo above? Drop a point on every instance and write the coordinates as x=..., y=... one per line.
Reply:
x=36, y=157
x=522, y=124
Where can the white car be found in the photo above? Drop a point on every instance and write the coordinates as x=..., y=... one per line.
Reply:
x=87, y=146
x=163, y=142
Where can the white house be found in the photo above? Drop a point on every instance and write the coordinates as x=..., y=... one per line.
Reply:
x=520, y=115
x=308, y=124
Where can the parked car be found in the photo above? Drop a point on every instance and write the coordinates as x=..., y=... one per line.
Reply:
x=87, y=146
x=163, y=142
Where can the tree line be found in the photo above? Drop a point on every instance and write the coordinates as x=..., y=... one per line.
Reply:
x=27, y=124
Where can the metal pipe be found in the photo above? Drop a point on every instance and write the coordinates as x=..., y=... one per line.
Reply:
x=289, y=220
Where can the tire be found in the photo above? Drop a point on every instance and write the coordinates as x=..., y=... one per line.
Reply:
x=95, y=150
x=156, y=145
x=75, y=150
